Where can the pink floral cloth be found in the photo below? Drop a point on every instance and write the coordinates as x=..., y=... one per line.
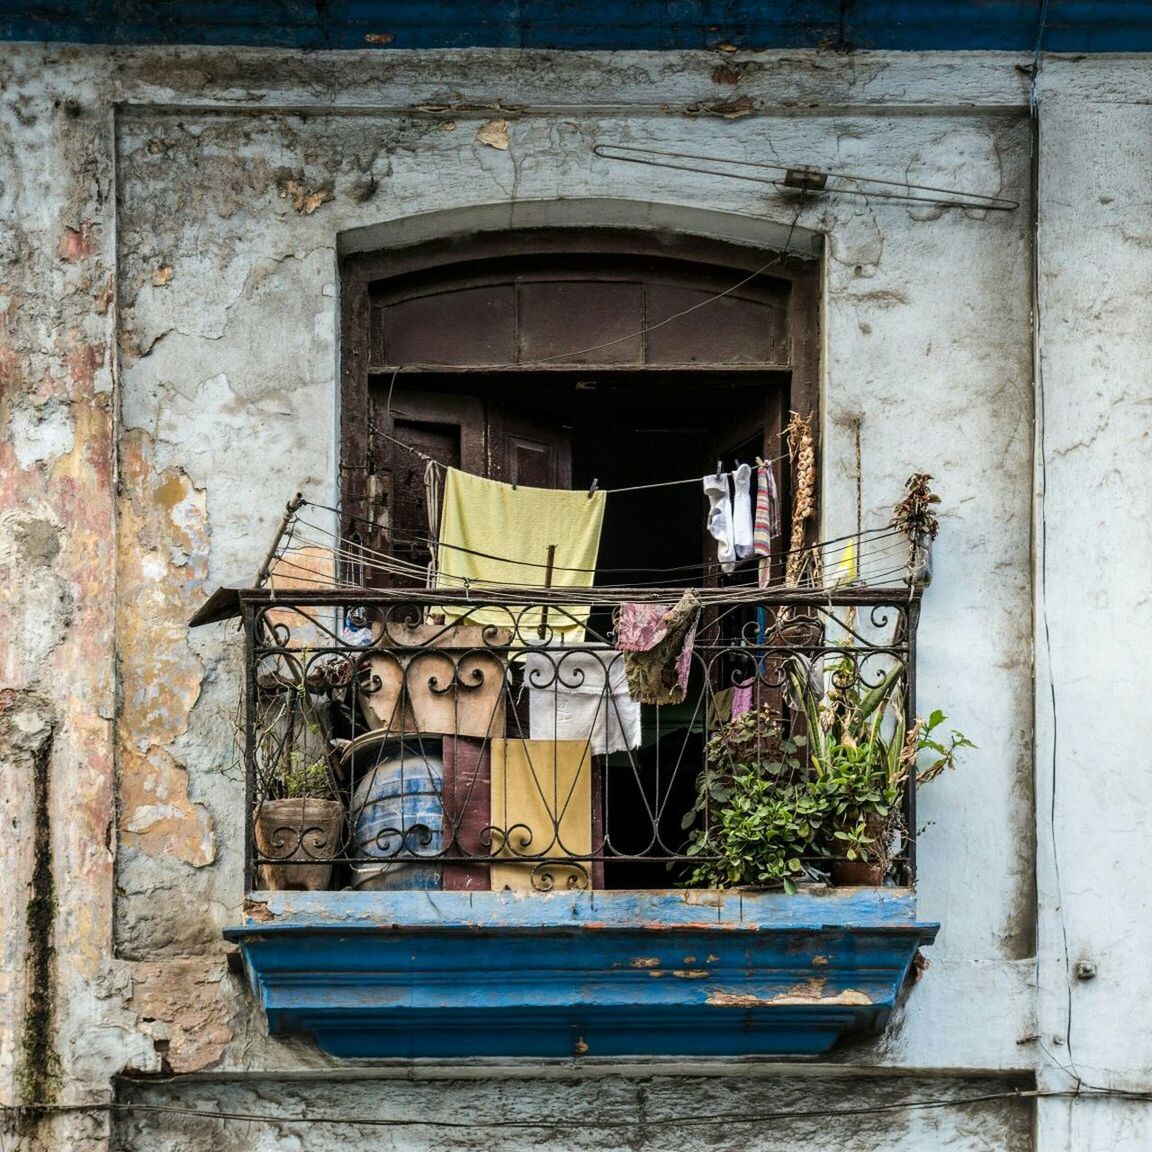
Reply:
x=741, y=699
x=657, y=644
x=640, y=627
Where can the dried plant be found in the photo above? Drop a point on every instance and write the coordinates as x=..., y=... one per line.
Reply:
x=914, y=515
x=802, y=454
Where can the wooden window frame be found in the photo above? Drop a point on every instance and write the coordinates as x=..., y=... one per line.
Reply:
x=363, y=273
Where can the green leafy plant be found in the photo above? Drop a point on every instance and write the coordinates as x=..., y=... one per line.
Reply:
x=300, y=779
x=862, y=754
x=857, y=841
x=758, y=817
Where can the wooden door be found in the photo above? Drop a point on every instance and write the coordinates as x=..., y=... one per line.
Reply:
x=526, y=448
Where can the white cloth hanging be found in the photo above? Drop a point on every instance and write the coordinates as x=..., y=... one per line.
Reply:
x=581, y=694
x=719, y=521
x=742, y=511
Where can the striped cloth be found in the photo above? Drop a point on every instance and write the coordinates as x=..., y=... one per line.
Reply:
x=767, y=521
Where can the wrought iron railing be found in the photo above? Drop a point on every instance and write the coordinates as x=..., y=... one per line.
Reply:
x=426, y=739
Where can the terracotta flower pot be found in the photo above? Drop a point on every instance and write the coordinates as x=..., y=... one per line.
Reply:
x=299, y=838
x=862, y=873
x=856, y=873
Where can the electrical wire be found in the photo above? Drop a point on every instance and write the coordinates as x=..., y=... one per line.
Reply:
x=1041, y=543
x=882, y=547
x=598, y=1123
x=865, y=569
x=878, y=190
x=884, y=531
x=692, y=1119
x=364, y=554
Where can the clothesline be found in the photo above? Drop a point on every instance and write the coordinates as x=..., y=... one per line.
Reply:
x=595, y=486
x=863, y=557
x=510, y=596
x=416, y=539
x=883, y=556
x=891, y=545
x=865, y=566
x=411, y=536
x=600, y=593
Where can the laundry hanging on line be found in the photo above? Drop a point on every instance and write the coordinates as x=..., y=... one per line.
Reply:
x=719, y=522
x=742, y=537
x=581, y=694
x=496, y=534
x=730, y=521
x=657, y=643
x=767, y=520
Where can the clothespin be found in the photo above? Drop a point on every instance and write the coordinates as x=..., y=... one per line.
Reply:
x=759, y=462
x=595, y=485
x=719, y=467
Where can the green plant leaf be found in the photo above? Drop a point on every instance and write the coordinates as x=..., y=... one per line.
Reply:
x=876, y=697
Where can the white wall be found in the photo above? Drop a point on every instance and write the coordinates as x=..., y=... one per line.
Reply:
x=178, y=170
x=1093, y=763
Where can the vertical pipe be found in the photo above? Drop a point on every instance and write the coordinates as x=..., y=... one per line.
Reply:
x=912, y=624
x=249, y=611
x=542, y=631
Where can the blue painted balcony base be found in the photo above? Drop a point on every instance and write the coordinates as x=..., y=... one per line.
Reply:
x=447, y=974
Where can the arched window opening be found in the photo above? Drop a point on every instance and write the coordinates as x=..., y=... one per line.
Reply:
x=561, y=359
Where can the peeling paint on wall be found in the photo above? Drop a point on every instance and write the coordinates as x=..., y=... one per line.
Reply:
x=185, y=1008
x=162, y=560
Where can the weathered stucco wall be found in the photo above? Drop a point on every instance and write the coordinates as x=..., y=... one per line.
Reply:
x=1093, y=765
x=658, y=1111
x=168, y=322
x=57, y=588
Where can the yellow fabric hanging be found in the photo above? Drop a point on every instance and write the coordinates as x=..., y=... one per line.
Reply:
x=517, y=524
x=847, y=570
x=542, y=809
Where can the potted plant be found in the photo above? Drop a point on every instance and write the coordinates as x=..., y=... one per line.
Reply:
x=759, y=816
x=862, y=754
x=765, y=817
x=298, y=824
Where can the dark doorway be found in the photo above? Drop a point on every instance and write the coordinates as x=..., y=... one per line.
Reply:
x=561, y=358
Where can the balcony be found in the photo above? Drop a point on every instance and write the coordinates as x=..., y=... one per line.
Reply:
x=480, y=827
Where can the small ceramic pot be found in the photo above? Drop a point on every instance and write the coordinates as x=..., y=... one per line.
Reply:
x=298, y=839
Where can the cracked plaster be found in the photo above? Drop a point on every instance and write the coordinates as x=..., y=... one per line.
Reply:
x=926, y=324
x=251, y=298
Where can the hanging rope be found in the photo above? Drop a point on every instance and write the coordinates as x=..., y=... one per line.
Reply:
x=432, y=503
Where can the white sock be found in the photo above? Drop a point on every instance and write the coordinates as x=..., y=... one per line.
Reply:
x=742, y=511
x=720, y=519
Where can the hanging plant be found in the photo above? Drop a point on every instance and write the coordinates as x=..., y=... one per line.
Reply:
x=914, y=515
x=802, y=455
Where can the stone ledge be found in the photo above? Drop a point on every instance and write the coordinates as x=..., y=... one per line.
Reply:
x=599, y=973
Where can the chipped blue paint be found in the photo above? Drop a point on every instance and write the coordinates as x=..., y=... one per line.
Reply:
x=444, y=974
x=922, y=25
